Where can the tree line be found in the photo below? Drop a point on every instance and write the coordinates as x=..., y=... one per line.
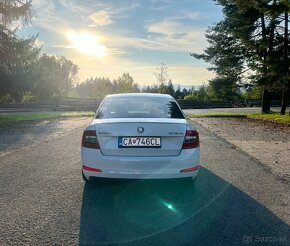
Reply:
x=250, y=47
x=100, y=87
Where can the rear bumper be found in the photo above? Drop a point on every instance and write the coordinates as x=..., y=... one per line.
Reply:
x=153, y=175
x=140, y=167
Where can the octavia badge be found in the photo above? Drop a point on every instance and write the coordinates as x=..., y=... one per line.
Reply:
x=140, y=129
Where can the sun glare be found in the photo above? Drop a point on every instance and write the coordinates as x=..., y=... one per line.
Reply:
x=87, y=44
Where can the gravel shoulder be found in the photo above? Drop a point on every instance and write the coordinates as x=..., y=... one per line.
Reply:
x=19, y=135
x=264, y=141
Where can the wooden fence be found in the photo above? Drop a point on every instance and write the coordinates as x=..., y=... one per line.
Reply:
x=62, y=104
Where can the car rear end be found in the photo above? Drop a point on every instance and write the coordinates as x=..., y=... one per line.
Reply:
x=140, y=136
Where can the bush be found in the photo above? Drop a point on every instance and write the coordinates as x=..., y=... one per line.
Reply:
x=28, y=97
x=189, y=97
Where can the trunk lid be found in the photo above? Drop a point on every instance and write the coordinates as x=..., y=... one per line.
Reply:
x=171, y=132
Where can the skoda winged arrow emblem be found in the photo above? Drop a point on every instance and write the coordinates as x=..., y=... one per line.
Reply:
x=140, y=129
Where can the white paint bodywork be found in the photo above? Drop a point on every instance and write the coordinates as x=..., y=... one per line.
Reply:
x=140, y=163
x=141, y=167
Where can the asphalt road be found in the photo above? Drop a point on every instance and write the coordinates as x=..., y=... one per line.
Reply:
x=234, y=201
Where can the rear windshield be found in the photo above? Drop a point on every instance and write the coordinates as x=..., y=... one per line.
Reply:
x=139, y=107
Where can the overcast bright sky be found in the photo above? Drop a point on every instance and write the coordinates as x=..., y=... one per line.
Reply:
x=106, y=38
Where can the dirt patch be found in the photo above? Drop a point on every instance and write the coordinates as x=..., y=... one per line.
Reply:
x=267, y=142
x=24, y=134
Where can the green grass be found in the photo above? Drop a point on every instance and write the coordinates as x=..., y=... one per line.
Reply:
x=272, y=117
x=17, y=117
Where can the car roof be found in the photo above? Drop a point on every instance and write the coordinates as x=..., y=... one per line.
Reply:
x=139, y=95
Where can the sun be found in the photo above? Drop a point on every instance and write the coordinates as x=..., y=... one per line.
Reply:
x=87, y=44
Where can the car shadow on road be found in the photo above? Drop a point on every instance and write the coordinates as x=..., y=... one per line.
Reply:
x=210, y=211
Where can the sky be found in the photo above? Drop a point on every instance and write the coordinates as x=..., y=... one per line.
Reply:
x=107, y=38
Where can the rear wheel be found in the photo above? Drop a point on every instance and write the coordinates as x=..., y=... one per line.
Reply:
x=85, y=178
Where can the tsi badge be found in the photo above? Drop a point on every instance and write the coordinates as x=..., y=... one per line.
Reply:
x=140, y=129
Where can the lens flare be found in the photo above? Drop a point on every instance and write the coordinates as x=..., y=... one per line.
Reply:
x=87, y=44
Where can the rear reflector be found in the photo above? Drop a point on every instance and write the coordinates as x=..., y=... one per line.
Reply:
x=190, y=169
x=191, y=140
x=90, y=140
x=92, y=169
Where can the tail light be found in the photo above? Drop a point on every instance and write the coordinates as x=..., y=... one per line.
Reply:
x=190, y=169
x=90, y=140
x=191, y=140
x=92, y=169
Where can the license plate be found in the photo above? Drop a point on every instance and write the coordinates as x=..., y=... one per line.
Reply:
x=139, y=142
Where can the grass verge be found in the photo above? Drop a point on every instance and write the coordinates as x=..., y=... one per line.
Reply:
x=272, y=117
x=17, y=117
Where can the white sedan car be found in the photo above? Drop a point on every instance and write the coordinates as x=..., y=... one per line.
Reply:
x=140, y=136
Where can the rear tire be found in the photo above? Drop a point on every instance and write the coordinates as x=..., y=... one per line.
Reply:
x=85, y=178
